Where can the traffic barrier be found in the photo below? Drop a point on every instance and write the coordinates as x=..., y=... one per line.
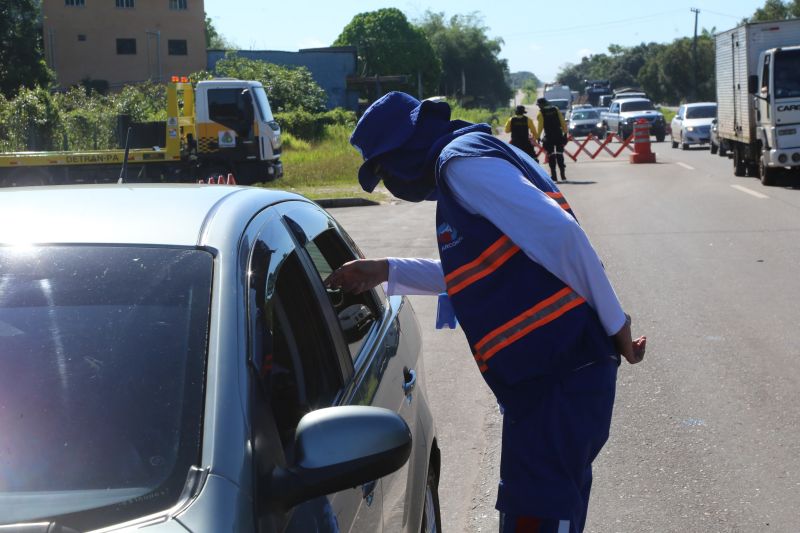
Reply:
x=582, y=147
x=641, y=143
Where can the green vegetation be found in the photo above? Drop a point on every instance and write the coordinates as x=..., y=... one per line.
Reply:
x=21, y=60
x=776, y=10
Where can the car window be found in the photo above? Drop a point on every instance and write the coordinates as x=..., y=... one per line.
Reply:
x=585, y=115
x=641, y=105
x=706, y=111
x=102, y=356
x=291, y=344
x=358, y=315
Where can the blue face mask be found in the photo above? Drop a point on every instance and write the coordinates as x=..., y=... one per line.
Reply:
x=422, y=188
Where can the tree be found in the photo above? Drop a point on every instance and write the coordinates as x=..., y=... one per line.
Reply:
x=214, y=40
x=289, y=88
x=389, y=45
x=472, y=70
x=21, y=60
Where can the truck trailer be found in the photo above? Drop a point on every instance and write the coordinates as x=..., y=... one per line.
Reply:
x=214, y=128
x=758, y=98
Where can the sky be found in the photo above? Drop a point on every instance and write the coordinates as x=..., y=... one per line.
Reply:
x=539, y=37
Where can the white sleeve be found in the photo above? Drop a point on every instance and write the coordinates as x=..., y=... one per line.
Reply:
x=496, y=190
x=415, y=276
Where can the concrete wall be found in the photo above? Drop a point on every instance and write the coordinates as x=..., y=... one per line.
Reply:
x=81, y=41
x=329, y=67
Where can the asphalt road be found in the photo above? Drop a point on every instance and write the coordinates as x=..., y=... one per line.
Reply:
x=706, y=431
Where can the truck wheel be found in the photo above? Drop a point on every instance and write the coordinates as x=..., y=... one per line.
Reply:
x=674, y=142
x=714, y=148
x=739, y=166
x=723, y=152
x=767, y=175
x=660, y=137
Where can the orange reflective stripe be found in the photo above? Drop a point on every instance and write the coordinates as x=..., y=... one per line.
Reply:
x=489, y=261
x=559, y=198
x=537, y=316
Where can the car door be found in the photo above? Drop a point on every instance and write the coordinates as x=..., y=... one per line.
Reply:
x=383, y=351
x=297, y=368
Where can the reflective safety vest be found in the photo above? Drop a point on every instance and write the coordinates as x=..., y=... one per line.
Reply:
x=523, y=323
x=551, y=123
x=519, y=129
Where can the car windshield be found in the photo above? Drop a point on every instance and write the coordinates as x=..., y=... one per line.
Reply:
x=560, y=104
x=638, y=105
x=102, y=358
x=787, y=74
x=706, y=111
x=585, y=115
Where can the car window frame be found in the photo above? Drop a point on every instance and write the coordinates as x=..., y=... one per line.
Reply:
x=352, y=362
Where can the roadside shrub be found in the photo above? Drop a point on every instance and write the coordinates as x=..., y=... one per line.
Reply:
x=290, y=142
x=33, y=121
x=301, y=124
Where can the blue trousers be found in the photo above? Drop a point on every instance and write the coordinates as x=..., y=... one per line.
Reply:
x=547, y=453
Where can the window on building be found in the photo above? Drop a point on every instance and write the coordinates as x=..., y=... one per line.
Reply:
x=126, y=47
x=127, y=4
x=178, y=4
x=74, y=3
x=177, y=47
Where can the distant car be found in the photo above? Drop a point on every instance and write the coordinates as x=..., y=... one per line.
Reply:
x=717, y=145
x=692, y=124
x=584, y=121
x=172, y=361
x=623, y=114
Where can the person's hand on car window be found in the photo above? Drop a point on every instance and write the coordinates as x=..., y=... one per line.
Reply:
x=359, y=275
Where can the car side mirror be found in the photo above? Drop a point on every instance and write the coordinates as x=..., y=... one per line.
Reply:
x=752, y=84
x=338, y=448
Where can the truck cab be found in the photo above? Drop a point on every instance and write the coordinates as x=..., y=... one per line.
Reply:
x=776, y=92
x=236, y=128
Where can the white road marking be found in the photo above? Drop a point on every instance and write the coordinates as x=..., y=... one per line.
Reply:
x=750, y=192
x=684, y=165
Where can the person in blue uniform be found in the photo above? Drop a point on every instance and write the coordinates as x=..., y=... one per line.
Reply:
x=544, y=325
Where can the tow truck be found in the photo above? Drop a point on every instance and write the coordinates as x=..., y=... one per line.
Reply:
x=213, y=128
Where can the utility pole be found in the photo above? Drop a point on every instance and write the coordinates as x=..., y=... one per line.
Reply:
x=694, y=52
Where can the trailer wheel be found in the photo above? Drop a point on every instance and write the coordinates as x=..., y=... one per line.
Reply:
x=739, y=166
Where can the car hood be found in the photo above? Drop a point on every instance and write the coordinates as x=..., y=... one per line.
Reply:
x=695, y=122
x=651, y=114
x=584, y=122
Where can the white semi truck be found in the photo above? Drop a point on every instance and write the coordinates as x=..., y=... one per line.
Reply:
x=758, y=98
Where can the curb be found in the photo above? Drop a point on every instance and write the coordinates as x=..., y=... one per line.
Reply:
x=345, y=202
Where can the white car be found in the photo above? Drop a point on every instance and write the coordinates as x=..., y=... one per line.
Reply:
x=692, y=124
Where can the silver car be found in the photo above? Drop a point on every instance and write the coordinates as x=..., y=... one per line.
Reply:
x=171, y=359
x=692, y=124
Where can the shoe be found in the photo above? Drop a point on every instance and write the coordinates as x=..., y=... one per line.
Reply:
x=563, y=175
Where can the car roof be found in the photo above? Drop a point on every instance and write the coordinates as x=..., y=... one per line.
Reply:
x=699, y=104
x=628, y=100
x=158, y=214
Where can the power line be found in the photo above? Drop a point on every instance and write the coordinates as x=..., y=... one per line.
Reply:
x=597, y=25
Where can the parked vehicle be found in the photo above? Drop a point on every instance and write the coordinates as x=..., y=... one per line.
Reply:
x=584, y=121
x=171, y=360
x=217, y=127
x=623, y=114
x=692, y=124
x=717, y=146
x=557, y=92
x=628, y=92
x=595, y=90
x=758, y=94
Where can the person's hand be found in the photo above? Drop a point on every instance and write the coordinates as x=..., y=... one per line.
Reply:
x=631, y=350
x=359, y=275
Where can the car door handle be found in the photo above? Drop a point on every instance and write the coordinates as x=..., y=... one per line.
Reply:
x=409, y=380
